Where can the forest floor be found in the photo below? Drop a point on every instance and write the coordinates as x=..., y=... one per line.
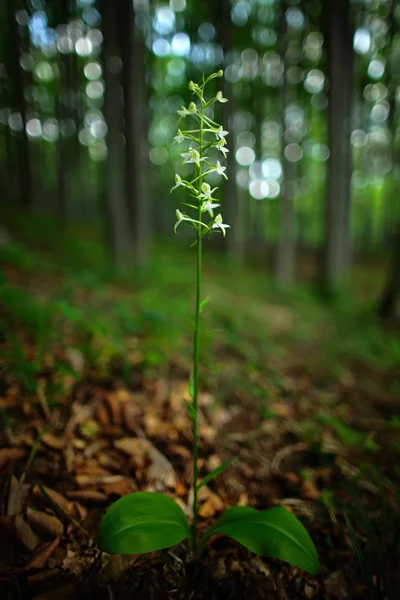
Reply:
x=93, y=377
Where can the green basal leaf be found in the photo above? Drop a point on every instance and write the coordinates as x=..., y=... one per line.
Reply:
x=215, y=472
x=191, y=411
x=142, y=522
x=276, y=533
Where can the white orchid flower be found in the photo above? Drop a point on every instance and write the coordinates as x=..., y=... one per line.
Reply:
x=206, y=191
x=192, y=156
x=178, y=182
x=221, y=133
x=218, y=224
x=181, y=217
x=219, y=169
x=180, y=137
x=208, y=206
x=221, y=146
x=220, y=98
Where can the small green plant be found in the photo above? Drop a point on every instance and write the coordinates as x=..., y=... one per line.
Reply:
x=148, y=521
x=347, y=435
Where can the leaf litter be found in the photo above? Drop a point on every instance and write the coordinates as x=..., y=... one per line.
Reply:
x=62, y=467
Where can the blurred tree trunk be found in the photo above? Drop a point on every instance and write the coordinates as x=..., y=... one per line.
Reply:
x=135, y=112
x=61, y=16
x=287, y=243
x=336, y=251
x=387, y=306
x=23, y=165
x=259, y=238
x=9, y=189
x=116, y=207
x=230, y=208
x=389, y=301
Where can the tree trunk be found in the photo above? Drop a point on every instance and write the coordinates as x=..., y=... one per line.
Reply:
x=287, y=244
x=18, y=106
x=133, y=57
x=388, y=303
x=116, y=207
x=336, y=254
x=258, y=234
x=390, y=298
x=235, y=241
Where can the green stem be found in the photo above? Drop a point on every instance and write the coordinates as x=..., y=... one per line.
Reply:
x=196, y=348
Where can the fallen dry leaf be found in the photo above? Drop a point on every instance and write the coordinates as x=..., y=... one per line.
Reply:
x=336, y=586
x=48, y=526
x=181, y=451
x=25, y=533
x=117, y=485
x=154, y=426
x=88, y=496
x=72, y=509
x=94, y=448
x=140, y=449
x=114, y=407
x=42, y=555
x=129, y=415
x=213, y=462
x=53, y=441
x=179, y=392
x=102, y=416
x=17, y=496
x=87, y=471
x=280, y=409
x=55, y=497
x=180, y=489
x=9, y=456
x=212, y=505
x=310, y=490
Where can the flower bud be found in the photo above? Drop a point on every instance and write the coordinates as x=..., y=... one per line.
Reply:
x=192, y=107
x=220, y=73
x=191, y=86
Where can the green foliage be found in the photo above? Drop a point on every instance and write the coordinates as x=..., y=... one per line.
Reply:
x=147, y=521
x=142, y=522
x=347, y=435
x=17, y=255
x=276, y=533
x=374, y=535
x=19, y=364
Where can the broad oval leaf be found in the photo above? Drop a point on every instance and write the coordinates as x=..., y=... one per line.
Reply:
x=275, y=532
x=142, y=522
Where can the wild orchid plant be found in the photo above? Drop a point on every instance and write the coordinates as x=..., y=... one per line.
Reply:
x=148, y=521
